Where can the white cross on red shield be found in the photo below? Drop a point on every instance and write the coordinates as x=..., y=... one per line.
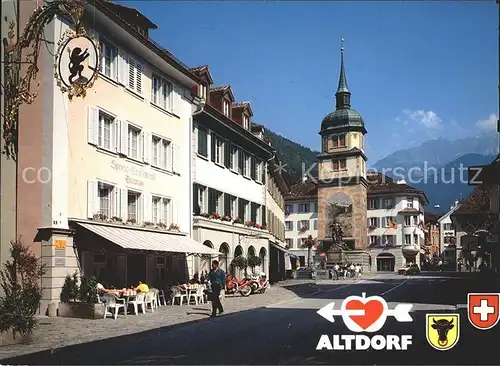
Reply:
x=483, y=309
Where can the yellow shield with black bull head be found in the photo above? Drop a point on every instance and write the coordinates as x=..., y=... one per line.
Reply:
x=442, y=330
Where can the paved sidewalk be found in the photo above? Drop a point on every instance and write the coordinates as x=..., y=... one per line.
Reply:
x=53, y=333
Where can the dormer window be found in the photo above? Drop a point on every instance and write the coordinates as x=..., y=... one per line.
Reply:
x=246, y=122
x=203, y=92
x=226, y=107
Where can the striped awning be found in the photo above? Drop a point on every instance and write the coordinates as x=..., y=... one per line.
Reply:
x=130, y=238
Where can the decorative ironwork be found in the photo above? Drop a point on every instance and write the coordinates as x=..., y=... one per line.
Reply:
x=17, y=89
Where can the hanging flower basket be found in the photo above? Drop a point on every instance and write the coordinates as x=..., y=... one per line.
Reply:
x=205, y=215
x=215, y=216
x=371, y=227
x=227, y=218
x=257, y=226
x=173, y=227
x=238, y=221
x=249, y=223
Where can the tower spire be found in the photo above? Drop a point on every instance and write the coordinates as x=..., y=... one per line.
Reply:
x=343, y=95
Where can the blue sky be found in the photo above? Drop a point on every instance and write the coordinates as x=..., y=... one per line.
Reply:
x=416, y=70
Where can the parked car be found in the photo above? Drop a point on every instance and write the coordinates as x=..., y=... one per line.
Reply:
x=409, y=270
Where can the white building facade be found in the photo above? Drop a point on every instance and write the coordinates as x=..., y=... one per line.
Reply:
x=228, y=168
x=448, y=237
x=301, y=221
x=117, y=205
x=395, y=225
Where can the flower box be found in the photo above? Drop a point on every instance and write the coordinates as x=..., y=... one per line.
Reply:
x=80, y=310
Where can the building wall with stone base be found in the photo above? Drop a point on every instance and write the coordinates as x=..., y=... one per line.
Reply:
x=396, y=252
x=358, y=195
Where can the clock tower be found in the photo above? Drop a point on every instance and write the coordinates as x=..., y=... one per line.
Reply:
x=342, y=184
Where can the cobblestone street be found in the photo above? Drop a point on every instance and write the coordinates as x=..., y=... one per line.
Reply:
x=58, y=332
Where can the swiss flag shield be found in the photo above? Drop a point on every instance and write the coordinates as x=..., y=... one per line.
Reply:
x=483, y=309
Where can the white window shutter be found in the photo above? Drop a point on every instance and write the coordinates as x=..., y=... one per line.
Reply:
x=116, y=135
x=115, y=202
x=148, y=215
x=140, y=209
x=174, y=209
x=171, y=155
x=92, y=60
x=139, y=78
x=124, y=137
x=131, y=73
x=123, y=204
x=146, y=146
x=92, y=199
x=176, y=100
x=122, y=67
x=92, y=125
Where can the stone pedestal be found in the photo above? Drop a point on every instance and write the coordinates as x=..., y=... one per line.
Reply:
x=59, y=257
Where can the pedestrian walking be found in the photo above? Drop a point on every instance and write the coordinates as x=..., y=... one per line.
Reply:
x=217, y=278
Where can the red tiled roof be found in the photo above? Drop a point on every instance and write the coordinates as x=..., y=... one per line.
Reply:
x=382, y=184
x=198, y=68
x=217, y=89
x=240, y=104
x=410, y=210
x=303, y=190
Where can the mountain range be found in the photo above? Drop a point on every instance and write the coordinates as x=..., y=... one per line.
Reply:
x=438, y=167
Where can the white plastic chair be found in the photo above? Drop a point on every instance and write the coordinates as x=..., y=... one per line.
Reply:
x=177, y=293
x=155, y=298
x=113, y=303
x=138, y=301
x=149, y=300
x=161, y=297
x=198, y=296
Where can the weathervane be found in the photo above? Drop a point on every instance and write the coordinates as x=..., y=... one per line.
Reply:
x=342, y=44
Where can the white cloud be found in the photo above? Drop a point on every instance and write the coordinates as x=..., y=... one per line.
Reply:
x=428, y=119
x=489, y=124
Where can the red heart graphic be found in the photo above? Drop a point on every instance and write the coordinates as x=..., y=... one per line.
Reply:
x=373, y=310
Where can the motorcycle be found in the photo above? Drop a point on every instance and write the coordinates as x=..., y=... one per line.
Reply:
x=233, y=286
x=259, y=284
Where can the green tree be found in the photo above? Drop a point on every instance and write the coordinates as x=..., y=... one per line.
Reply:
x=20, y=280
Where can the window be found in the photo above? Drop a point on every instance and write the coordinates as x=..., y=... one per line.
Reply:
x=303, y=225
x=246, y=165
x=248, y=211
x=407, y=239
x=233, y=207
x=202, y=142
x=203, y=92
x=288, y=209
x=233, y=164
x=372, y=204
x=388, y=203
x=339, y=164
x=246, y=121
x=315, y=224
x=389, y=219
x=288, y=225
x=132, y=206
x=201, y=191
x=407, y=220
x=106, y=131
x=105, y=200
x=134, y=75
x=155, y=207
x=373, y=240
x=388, y=239
x=108, y=60
x=162, y=153
x=258, y=171
x=161, y=93
x=415, y=220
x=133, y=142
x=373, y=222
x=447, y=227
x=409, y=202
x=258, y=215
x=219, y=149
x=226, y=107
x=415, y=239
x=289, y=243
x=304, y=208
x=338, y=141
